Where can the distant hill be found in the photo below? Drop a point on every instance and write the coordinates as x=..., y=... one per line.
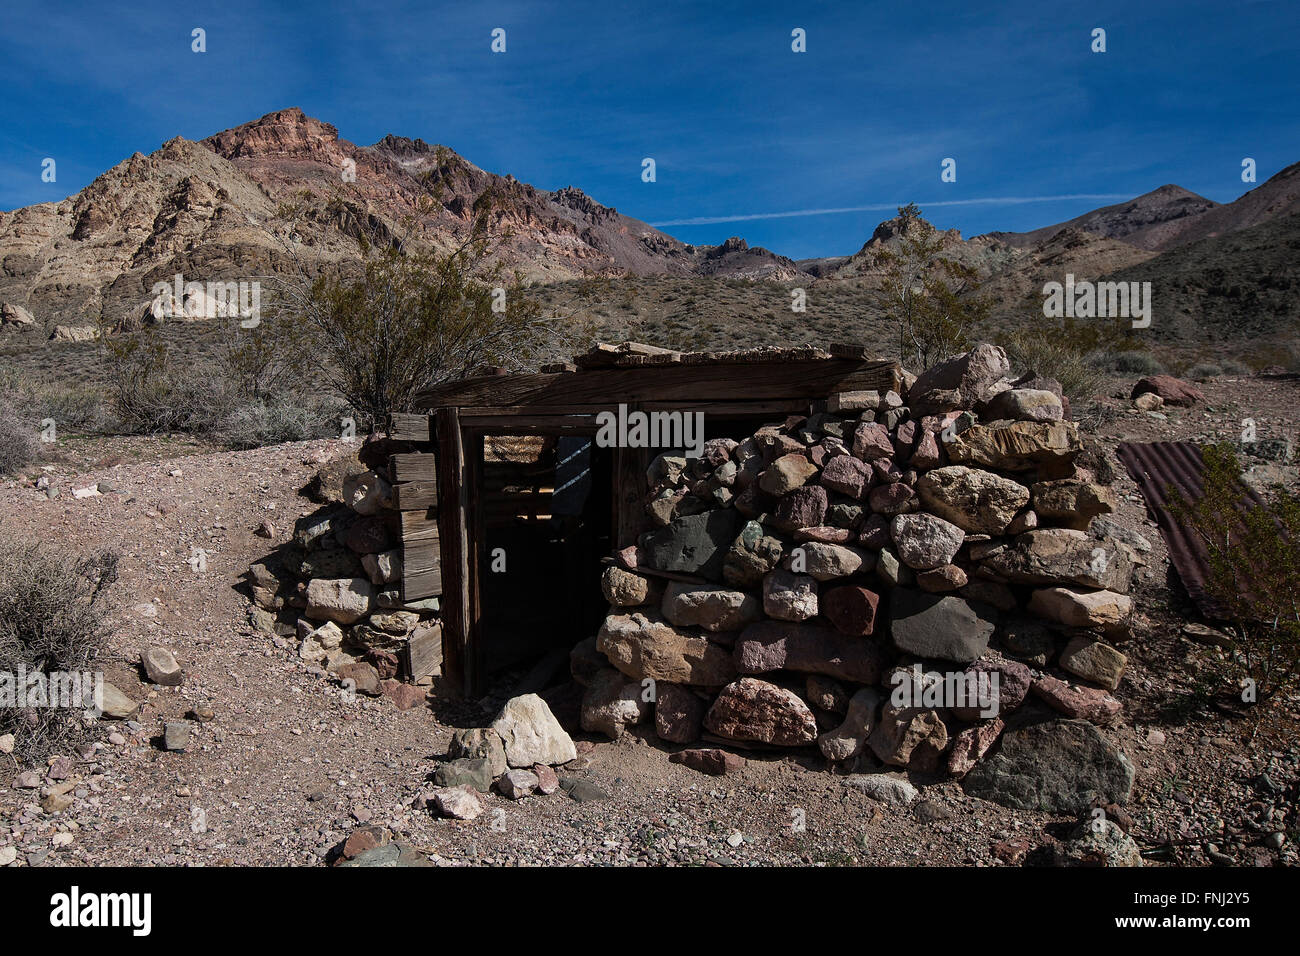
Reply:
x=1138, y=222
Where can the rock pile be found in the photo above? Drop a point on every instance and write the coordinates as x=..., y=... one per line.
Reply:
x=790, y=582
x=336, y=589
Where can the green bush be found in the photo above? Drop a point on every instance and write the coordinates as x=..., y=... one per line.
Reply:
x=1057, y=351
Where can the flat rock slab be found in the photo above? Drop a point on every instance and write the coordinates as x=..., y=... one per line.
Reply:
x=808, y=649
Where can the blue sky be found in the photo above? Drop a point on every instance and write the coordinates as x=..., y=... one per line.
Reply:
x=738, y=124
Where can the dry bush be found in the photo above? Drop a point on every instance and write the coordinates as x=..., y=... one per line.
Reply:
x=51, y=620
x=1254, y=560
x=18, y=443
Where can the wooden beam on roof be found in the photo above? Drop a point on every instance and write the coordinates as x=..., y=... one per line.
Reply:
x=767, y=380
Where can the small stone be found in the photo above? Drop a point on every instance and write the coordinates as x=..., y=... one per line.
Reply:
x=161, y=666
x=710, y=761
x=176, y=735
x=883, y=787
x=517, y=784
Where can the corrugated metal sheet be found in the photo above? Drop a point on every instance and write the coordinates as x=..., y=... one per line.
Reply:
x=1157, y=467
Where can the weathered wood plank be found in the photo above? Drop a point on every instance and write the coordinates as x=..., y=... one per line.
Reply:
x=415, y=495
x=408, y=427
x=419, y=525
x=785, y=379
x=417, y=585
x=412, y=466
x=424, y=651
x=454, y=541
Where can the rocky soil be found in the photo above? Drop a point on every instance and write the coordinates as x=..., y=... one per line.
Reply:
x=283, y=765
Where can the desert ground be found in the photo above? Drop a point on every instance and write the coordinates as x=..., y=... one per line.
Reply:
x=286, y=766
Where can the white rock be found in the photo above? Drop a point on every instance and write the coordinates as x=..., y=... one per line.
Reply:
x=343, y=600
x=531, y=733
x=883, y=787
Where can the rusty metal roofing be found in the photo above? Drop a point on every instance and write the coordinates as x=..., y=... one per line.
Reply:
x=1158, y=466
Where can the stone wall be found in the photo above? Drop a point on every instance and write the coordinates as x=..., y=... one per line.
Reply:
x=790, y=583
x=336, y=589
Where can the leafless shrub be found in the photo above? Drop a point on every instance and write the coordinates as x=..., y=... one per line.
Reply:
x=51, y=621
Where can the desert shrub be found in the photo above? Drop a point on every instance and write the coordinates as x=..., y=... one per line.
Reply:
x=1057, y=351
x=51, y=620
x=18, y=442
x=1234, y=368
x=275, y=420
x=1136, y=363
x=1254, y=560
x=1204, y=371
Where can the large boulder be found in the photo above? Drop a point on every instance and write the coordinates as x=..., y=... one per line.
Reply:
x=1058, y=766
x=1172, y=391
x=1049, y=447
x=643, y=646
x=531, y=734
x=945, y=627
x=963, y=381
x=808, y=649
x=751, y=709
x=977, y=501
x=693, y=544
x=925, y=541
x=1063, y=556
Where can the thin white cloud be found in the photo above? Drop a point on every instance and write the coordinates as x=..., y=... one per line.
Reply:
x=883, y=207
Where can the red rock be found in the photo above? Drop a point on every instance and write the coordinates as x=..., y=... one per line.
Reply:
x=405, y=696
x=1087, y=703
x=362, y=677
x=628, y=558
x=874, y=533
x=1173, y=390
x=871, y=440
x=362, y=839
x=1014, y=680
x=802, y=508
x=713, y=761
x=750, y=709
x=892, y=499
x=851, y=609
x=1012, y=851
x=926, y=455
x=808, y=649
x=547, y=781
x=385, y=663
x=847, y=475
x=972, y=744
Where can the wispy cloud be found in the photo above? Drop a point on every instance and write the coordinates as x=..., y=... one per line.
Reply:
x=882, y=207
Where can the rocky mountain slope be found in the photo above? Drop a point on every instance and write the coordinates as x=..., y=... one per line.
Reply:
x=1141, y=222
x=249, y=201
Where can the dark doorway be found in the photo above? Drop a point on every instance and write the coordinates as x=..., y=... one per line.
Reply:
x=546, y=524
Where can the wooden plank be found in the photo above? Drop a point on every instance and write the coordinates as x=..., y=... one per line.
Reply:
x=420, y=525
x=412, y=466
x=424, y=651
x=422, y=555
x=454, y=560
x=415, y=495
x=630, y=490
x=408, y=427
x=417, y=585
x=784, y=379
